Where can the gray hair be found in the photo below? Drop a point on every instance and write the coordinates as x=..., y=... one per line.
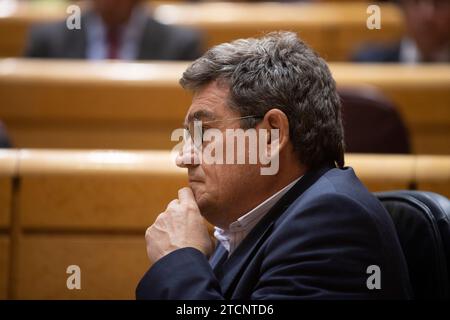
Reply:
x=278, y=71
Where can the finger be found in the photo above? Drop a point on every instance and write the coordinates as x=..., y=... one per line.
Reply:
x=185, y=195
x=173, y=203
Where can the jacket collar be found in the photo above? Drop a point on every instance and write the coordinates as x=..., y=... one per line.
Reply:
x=234, y=265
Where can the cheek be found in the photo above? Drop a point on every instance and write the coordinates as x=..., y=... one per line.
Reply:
x=213, y=177
x=198, y=189
x=218, y=180
x=207, y=190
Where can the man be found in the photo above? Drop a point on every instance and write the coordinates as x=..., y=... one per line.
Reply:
x=427, y=38
x=309, y=231
x=114, y=29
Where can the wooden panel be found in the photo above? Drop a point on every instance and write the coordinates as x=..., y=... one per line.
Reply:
x=98, y=92
x=8, y=166
x=91, y=209
x=421, y=93
x=433, y=174
x=137, y=105
x=428, y=119
x=101, y=105
x=5, y=201
x=97, y=162
x=4, y=265
x=95, y=202
x=383, y=172
x=333, y=29
x=16, y=17
x=113, y=135
x=68, y=190
x=111, y=266
x=8, y=162
x=100, y=190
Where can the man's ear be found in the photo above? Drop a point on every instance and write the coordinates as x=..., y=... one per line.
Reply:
x=277, y=119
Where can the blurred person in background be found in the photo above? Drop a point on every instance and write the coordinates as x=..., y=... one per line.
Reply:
x=5, y=142
x=114, y=29
x=427, y=36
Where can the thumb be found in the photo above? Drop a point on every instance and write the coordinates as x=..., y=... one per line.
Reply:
x=186, y=196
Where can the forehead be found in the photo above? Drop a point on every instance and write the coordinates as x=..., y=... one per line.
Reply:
x=209, y=103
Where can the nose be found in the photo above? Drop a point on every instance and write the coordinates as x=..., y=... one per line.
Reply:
x=189, y=155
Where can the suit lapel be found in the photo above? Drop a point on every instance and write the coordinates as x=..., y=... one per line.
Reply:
x=151, y=42
x=234, y=266
x=217, y=259
x=75, y=42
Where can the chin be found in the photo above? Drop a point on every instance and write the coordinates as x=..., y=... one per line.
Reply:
x=196, y=190
x=205, y=206
x=199, y=193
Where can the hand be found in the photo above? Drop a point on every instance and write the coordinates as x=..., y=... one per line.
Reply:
x=180, y=226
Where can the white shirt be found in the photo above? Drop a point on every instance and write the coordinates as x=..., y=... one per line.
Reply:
x=410, y=53
x=130, y=36
x=230, y=238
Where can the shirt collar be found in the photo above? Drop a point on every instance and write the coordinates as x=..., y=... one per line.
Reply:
x=130, y=34
x=239, y=229
x=409, y=53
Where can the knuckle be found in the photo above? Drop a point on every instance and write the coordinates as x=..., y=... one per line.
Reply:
x=148, y=232
x=172, y=204
x=191, y=207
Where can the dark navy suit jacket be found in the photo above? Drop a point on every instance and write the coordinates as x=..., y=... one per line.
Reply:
x=315, y=243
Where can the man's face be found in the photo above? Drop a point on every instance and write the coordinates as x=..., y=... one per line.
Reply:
x=222, y=191
x=114, y=12
x=428, y=22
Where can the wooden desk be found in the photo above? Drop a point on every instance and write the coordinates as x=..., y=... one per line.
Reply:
x=4, y=266
x=111, y=265
x=333, y=29
x=16, y=19
x=119, y=105
x=98, y=190
x=92, y=105
x=8, y=162
x=433, y=173
x=107, y=191
x=421, y=93
x=91, y=208
x=8, y=166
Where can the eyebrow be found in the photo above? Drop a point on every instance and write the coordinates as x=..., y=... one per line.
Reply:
x=199, y=115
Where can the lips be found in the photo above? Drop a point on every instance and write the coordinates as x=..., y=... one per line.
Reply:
x=195, y=180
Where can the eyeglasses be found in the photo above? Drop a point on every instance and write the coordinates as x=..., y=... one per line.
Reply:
x=195, y=130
